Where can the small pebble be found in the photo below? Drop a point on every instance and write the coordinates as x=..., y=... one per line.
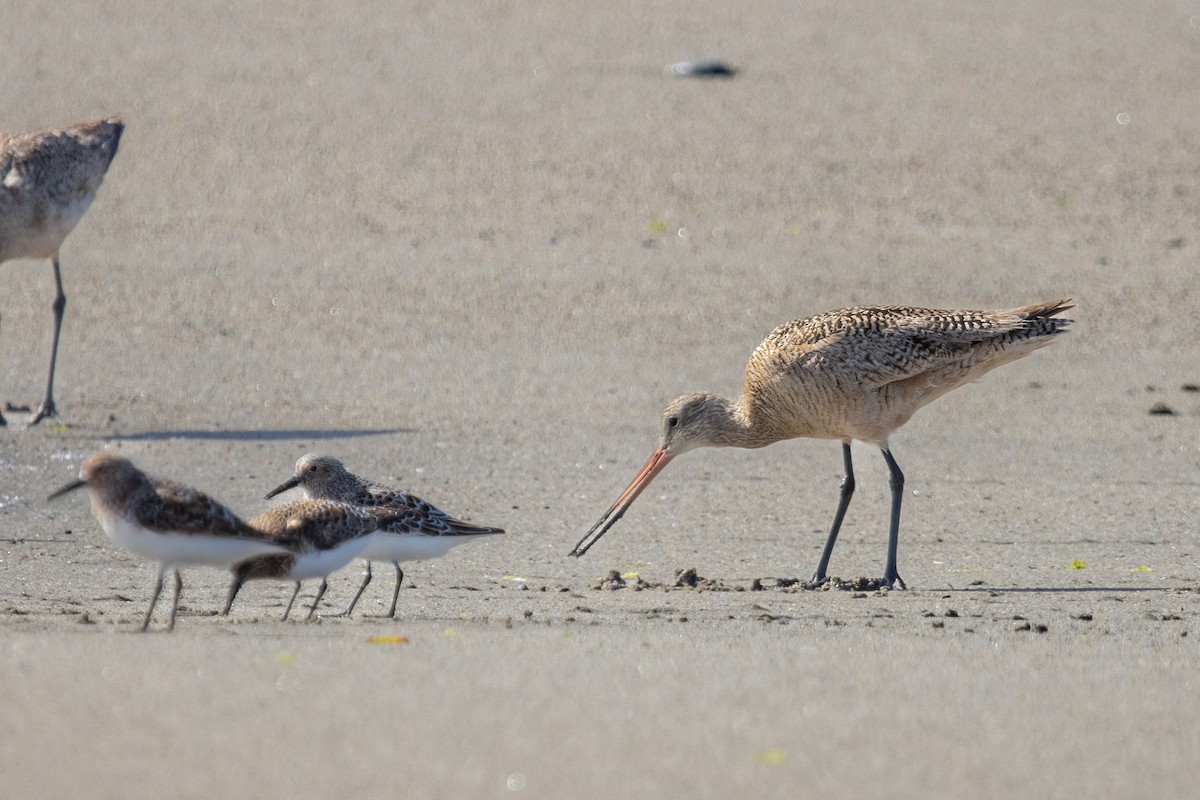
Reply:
x=704, y=68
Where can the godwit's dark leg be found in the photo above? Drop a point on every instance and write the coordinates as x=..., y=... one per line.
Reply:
x=354, y=602
x=896, y=481
x=47, y=409
x=820, y=576
x=396, y=593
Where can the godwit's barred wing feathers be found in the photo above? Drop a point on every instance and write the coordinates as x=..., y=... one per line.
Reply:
x=874, y=346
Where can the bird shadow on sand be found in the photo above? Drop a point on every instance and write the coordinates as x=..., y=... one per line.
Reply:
x=277, y=435
x=1062, y=589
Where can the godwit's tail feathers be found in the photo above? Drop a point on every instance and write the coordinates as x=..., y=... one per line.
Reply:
x=1041, y=319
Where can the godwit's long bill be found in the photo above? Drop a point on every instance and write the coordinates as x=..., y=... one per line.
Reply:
x=858, y=373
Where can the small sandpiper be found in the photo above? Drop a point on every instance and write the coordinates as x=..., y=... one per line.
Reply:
x=416, y=531
x=165, y=521
x=324, y=537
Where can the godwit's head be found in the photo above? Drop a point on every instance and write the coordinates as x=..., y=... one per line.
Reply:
x=696, y=420
x=320, y=477
x=691, y=421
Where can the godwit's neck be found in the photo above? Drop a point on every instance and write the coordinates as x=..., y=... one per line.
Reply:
x=732, y=425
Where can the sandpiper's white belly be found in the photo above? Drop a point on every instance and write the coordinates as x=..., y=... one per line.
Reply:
x=412, y=546
x=184, y=549
x=319, y=563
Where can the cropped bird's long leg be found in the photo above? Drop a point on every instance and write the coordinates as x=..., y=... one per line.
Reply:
x=350, y=610
x=175, y=604
x=396, y=592
x=317, y=601
x=820, y=576
x=288, y=610
x=46, y=409
x=154, y=597
x=896, y=481
x=3, y=421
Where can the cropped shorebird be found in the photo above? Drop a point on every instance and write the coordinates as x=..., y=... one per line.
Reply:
x=858, y=373
x=172, y=524
x=416, y=530
x=47, y=181
x=324, y=536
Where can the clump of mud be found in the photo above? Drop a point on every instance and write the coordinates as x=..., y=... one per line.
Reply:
x=684, y=579
x=688, y=579
x=614, y=580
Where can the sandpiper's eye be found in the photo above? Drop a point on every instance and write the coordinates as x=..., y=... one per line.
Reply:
x=673, y=422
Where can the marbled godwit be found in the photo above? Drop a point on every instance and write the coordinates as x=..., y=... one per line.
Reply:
x=324, y=537
x=162, y=520
x=859, y=373
x=418, y=531
x=47, y=181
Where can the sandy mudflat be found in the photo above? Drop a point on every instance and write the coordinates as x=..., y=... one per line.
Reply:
x=472, y=250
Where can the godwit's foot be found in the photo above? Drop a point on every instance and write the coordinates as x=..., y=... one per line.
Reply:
x=875, y=584
x=815, y=582
x=46, y=409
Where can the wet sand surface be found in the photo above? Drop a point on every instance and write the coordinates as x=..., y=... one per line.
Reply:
x=473, y=252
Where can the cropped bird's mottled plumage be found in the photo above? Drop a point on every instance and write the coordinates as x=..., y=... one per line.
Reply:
x=856, y=373
x=415, y=530
x=48, y=179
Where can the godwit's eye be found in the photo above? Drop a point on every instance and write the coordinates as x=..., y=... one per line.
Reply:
x=673, y=422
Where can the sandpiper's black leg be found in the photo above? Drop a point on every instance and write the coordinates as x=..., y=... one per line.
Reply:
x=361, y=589
x=175, y=604
x=820, y=576
x=288, y=610
x=153, y=599
x=896, y=481
x=235, y=586
x=396, y=593
x=317, y=601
